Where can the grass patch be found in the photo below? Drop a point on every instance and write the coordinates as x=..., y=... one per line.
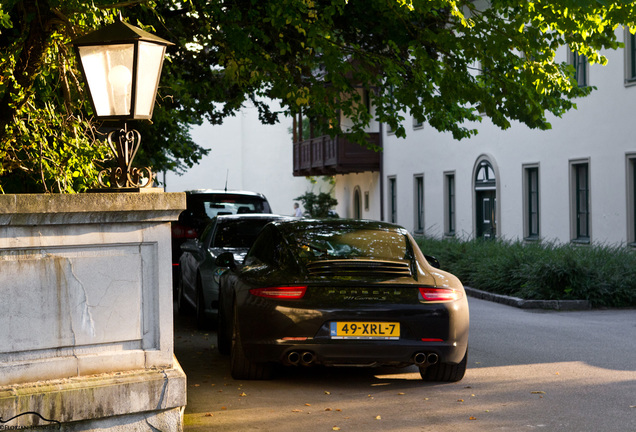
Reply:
x=604, y=275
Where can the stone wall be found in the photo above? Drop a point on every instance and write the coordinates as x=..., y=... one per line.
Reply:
x=86, y=313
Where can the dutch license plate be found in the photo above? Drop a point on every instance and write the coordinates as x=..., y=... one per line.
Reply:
x=365, y=330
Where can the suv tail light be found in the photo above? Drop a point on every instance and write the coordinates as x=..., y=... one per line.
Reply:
x=182, y=231
x=439, y=294
x=282, y=293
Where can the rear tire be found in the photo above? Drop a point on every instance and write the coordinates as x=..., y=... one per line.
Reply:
x=183, y=307
x=201, y=319
x=241, y=367
x=223, y=339
x=445, y=372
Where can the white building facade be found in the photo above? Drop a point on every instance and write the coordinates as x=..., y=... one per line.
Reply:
x=246, y=155
x=573, y=183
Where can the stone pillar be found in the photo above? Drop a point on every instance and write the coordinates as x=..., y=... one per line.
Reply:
x=86, y=330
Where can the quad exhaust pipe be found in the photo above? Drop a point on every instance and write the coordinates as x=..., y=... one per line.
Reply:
x=422, y=359
x=295, y=358
x=307, y=358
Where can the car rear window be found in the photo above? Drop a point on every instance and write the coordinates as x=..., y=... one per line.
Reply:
x=345, y=243
x=212, y=205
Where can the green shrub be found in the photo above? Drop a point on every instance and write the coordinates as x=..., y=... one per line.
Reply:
x=604, y=275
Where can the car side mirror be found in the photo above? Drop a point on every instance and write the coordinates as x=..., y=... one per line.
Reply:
x=191, y=246
x=433, y=261
x=226, y=259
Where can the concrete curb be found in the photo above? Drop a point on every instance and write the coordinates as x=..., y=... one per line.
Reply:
x=561, y=305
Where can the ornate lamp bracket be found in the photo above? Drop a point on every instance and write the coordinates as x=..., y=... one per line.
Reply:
x=124, y=144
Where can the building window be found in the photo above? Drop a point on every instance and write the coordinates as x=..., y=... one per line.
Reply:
x=580, y=201
x=389, y=129
x=419, y=204
x=631, y=199
x=366, y=201
x=449, y=204
x=531, y=202
x=630, y=57
x=366, y=99
x=580, y=64
x=392, y=200
x=633, y=206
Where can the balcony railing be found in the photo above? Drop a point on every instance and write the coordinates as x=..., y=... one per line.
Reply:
x=329, y=156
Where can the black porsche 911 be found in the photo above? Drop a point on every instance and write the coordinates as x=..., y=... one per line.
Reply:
x=341, y=293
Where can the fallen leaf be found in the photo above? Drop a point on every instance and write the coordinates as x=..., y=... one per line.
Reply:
x=537, y=392
x=297, y=410
x=472, y=418
x=327, y=409
x=460, y=400
x=338, y=409
x=378, y=418
x=401, y=394
x=335, y=428
x=327, y=393
x=633, y=406
x=209, y=415
x=223, y=408
x=307, y=404
x=243, y=394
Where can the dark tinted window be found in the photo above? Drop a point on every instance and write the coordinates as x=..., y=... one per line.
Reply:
x=237, y=233
x=268, y=250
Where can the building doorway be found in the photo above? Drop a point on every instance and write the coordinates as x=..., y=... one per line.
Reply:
x=485, y=201
x=357, y=204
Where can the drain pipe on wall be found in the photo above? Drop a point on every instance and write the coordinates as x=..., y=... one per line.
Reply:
x=382, y=173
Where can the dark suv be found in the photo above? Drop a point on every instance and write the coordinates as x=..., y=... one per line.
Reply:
x=204, y=204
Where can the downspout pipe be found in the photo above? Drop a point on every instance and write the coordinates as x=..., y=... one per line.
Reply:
x=382, y=172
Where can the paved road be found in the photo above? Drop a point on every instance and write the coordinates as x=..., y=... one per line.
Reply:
x=528, y=370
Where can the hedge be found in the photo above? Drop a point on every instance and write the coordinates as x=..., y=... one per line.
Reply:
x=604, y=275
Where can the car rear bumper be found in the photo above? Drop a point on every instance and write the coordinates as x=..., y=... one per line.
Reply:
x=272, y=334
x=354, y=353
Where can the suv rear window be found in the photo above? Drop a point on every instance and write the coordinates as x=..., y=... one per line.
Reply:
x=212, y=205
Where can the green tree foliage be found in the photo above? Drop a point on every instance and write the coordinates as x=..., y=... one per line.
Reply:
x=317, y=204
x=445, y=61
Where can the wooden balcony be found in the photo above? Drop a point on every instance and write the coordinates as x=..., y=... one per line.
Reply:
x=329, y=156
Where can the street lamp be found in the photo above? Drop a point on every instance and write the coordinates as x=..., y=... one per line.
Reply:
x=122, y=66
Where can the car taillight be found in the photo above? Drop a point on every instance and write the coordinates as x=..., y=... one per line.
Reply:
x=439, y=294
x=182, y=231
x=282, y=293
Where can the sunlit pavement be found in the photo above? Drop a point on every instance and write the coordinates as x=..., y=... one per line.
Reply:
x=551, y=371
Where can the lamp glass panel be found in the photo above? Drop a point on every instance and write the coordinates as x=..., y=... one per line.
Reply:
x=108, y=70
x=150, y=60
